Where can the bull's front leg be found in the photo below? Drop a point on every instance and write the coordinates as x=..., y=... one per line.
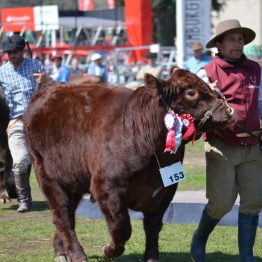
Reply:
x=110, y=200
x=153, y=225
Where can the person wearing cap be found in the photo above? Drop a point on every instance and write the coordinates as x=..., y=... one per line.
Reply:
x=151, y=67
x=59, y=72
x=198, y=60
x=19, y=77
x=233, y=156
x=96, y=68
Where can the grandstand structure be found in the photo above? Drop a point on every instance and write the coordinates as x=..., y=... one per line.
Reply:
x=80, y=32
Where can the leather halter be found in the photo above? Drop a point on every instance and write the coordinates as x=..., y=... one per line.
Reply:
x=209, y=114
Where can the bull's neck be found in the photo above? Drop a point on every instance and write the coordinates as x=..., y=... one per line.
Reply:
x=144, y=119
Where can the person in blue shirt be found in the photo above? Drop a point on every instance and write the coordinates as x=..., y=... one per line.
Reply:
x=59, y=72
x=20, y=77
x=96, y=68
x=198, y=60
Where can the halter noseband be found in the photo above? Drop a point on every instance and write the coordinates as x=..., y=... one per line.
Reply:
x=210, y=112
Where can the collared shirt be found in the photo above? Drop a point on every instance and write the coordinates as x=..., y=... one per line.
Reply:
x=193, y=64
x=98, y=70
x=19, y=84
x=60, y=74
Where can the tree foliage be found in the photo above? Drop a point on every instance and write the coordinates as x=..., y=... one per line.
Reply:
x=164, y=21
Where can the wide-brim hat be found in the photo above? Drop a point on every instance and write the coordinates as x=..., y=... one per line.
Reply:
x=231, y=26
x=13, y=43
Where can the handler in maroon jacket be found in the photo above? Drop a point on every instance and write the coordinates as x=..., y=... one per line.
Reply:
x=233, y=156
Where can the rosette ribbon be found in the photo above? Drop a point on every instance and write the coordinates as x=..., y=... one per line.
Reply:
x=174, y=126
x=189, y=128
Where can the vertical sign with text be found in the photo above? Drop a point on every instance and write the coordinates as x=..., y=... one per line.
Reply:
x=193, y=24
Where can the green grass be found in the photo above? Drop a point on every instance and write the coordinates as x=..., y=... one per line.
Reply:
x=28, y=237
x=194, y=167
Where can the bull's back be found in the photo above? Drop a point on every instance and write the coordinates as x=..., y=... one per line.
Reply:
x=67, y=120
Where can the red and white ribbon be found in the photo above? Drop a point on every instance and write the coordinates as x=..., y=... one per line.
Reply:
x=188, y=127
x=176, y=125
x=174, y=135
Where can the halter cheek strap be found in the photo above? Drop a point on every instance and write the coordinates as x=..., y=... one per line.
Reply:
x=209, y=114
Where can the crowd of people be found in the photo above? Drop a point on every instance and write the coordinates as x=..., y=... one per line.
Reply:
x=233, y=156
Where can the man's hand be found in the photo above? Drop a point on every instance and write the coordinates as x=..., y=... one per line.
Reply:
x=213, y=86
x=42, y=78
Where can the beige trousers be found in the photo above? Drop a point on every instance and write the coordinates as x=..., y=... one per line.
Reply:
x=21, y=159
x=233, y=170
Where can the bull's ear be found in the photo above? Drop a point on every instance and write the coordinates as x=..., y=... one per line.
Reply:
x=153, y=82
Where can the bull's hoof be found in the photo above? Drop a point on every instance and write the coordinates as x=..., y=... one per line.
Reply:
x=61, y=258
x=109, y=252
x=64, y=258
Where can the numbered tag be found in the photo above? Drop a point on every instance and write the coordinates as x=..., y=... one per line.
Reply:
x=172, y=174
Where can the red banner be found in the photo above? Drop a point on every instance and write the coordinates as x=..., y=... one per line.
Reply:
x=15, y=19
x=138, y=18
x=85, y=5
x=111, y=4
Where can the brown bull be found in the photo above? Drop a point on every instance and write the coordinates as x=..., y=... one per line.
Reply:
x=108, y=141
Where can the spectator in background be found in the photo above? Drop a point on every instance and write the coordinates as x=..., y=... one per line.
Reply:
x=198, y=60
x=59, y=72
x=151, y=67
x=74, y=67
x=20, y=77
x=96, y=68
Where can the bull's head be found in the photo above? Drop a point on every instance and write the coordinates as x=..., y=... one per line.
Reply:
x=185, y=92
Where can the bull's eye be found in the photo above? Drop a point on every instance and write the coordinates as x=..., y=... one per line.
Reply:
x=191, y=92
x=191, y=95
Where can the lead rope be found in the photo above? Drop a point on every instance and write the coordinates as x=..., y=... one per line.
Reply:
x=157, y=161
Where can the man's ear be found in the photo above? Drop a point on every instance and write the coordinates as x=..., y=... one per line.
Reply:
x=153, y=82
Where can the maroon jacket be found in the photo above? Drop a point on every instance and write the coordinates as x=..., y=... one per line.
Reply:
x=240, y=85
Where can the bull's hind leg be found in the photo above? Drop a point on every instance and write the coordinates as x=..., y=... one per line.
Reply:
x=59, y=246
x=117, y=218
x=152, y=226
x=63, y=208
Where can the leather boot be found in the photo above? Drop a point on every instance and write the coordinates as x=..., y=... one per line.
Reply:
x=200, y=236
x=23, y=191
x=247, y=228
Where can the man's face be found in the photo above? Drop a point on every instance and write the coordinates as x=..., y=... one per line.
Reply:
x=198, y=53
x=232, y=45
x=15, y=57
x=57, y=62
